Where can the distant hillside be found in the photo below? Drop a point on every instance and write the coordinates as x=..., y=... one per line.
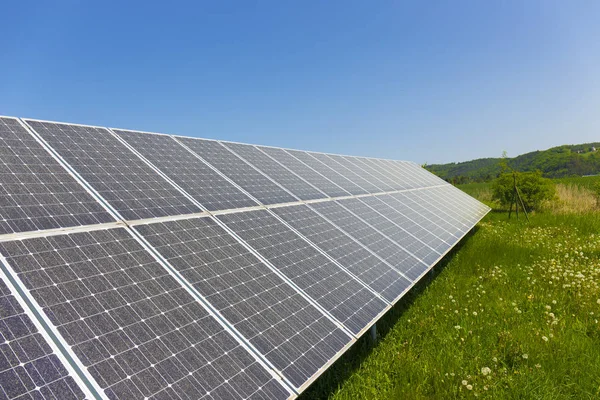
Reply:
x=557, y=162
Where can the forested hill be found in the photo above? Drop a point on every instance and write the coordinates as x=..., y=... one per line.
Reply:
x=557, y=162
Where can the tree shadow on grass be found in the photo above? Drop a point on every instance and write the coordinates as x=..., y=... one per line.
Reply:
x=332, y=379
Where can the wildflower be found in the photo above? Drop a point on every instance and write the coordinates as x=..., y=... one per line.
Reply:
x=538, y=366
x=457, y=327
x=598, y=301
x=553, y=301
x=495, y=359
x=486, y=371
x=469, y=387
x=464, y=382
x=544, y=338
x=525, y=356
x=475, y=313
x=548, y=308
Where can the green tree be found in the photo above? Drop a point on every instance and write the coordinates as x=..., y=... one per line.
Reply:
x=534, y=189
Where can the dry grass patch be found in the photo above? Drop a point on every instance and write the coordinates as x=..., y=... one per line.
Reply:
x=571, y=198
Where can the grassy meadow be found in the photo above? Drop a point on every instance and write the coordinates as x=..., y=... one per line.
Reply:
x=512, y=313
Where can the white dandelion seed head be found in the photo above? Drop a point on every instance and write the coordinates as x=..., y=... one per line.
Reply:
x=469, y=387
x=486, y=371
x=525, y=356
x=464, y=382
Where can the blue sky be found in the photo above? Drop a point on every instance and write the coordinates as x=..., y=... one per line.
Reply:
x=424, y=81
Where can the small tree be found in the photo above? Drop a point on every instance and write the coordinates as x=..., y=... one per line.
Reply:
x=533, y=187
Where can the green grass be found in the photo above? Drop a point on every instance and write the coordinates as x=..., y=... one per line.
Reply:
x=520, y=299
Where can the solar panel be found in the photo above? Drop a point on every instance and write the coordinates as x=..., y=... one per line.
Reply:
x=36, y=192
x=408, y=219
x=193, y=175
x=115, y=172
x=241, y=302
x=400, y=173
x=369, y=165
x=277, y=172
x=391, y=252
x=348, y=167
x=292, y=334
x=304, y=171
x=447, y=232
x=131, y=325
x=357, y=259
x=364, y=185
x=446, y=201
x=330, y=286
x=382, y=176
x=327, y=172
x=247, y=177
x=451, y=222
x=393, y=231
x=418, y=175
x=29, y=369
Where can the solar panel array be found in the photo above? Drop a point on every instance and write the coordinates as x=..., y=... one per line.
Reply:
x=151, y=266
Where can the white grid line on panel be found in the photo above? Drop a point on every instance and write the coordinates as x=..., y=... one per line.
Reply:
x=47, y=329
x=379, y=185
x=305, y=165
x=392, y=222
x=282, y=166
x=371, y=165
x=439, y=214
x=407, y=217
x=325, y=167
x=367, y=248
x=416, y=212
x=71, y=171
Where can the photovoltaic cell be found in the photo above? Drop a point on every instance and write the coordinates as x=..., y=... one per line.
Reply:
x=400, y=173
x=330, y=286
x=390, y=229
x=407, y=219
x=410, y=199
x=115, y=172
x=372, y=271
x=291, y=333
x=304, y=171
x=438, y=237
x=327, y=172
x=28, y=367
x=276, y=171
x=188, y=171
x=448, y=220
x=380, y=173
x=458, y=214
x=135, y=329
x=353, y=171
x=369, y=237
x=240, y=172
x=365, y=186
x=36, y=192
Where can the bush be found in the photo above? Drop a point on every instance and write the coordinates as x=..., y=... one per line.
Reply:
x=533, y=188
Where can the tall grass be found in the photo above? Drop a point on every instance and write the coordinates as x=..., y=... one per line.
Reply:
x=572, y=198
